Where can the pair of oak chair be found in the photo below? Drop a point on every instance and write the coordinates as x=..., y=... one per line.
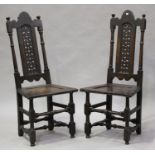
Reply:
x=126, y=38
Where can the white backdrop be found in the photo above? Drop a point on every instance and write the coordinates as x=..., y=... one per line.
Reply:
x=77, y=41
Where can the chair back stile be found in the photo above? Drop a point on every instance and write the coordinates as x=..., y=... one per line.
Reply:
x=125, y=50
x=28, y=47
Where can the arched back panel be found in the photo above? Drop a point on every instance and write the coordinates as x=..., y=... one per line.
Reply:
x=126, y=44
x=27, y=41
x=28, y=45
x=125, y=47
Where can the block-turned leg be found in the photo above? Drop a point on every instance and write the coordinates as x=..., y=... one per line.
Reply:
x=139, y=112
x=32, y=132
x=20, y=114
x=108, y=115
x=87, y=113
x=71, y=105
x=127, y=131
x=50, y=117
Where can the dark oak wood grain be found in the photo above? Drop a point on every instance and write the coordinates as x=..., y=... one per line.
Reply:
x=114, y=89
x=44, y=90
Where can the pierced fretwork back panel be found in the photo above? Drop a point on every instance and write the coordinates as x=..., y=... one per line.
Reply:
x=28, y=45
x=126, y=44
x=125, y=48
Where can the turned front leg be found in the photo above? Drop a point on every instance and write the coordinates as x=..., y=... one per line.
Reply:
x=87, y=113
x=139, y=112
x=20, y=114
x=71, y=105
x=108, y=115
x=32, y=132
x=127, y=131
x=50, y=117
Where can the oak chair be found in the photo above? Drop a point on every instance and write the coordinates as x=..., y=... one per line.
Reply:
x=31, y=66
x=124, y=70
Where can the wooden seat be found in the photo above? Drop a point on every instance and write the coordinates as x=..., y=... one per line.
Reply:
x=32, y=71
x=124, y=70
x=44, y=90
x=113, y=89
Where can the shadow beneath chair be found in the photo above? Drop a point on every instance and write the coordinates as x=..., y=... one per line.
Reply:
x=44, y=137
x=110, y=135
x=148, y=132
x=147, y=136
x=47, y=137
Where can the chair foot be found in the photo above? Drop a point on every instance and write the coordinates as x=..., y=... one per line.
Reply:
x=108, y=126
x=87, y=130
x=20, y=132
x=50, y=127
x=87, y=136
x=32, y=137
x=126, y=142
x=72, y=136
x=138, y=131
x=126, y=136
x=32, y=144
x=72, y=129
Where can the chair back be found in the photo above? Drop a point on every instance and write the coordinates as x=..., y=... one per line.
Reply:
x=125, y=48
x=30, y=60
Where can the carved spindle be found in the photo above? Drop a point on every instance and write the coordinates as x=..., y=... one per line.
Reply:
x=87, y=113
x=40, y=30
x=32, y=132
x=46, y=69
x=110, y=69
x=9, y=30
x=50, y=117
x=127, y=119
x=71, y=105
x=112, y=43
x=142, y=43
